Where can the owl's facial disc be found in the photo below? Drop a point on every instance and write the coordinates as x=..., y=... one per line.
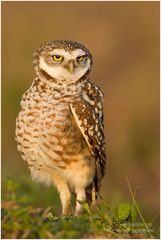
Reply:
x=64, y=65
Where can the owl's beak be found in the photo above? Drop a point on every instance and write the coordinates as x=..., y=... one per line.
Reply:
x=70, y=67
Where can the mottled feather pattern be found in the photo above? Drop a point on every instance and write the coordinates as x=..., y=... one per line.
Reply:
x=89, y=111
x=59, y=129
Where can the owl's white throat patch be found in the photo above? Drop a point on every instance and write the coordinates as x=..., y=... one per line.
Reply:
x=61, y=73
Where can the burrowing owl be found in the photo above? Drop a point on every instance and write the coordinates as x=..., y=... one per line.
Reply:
x=59, y=129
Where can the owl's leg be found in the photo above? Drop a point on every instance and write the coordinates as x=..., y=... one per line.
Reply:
x=65, y=200
x=64, y=192
x=80, y=196
x=91, y=194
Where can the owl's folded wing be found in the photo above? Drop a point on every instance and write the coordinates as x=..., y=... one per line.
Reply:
x=89, y=119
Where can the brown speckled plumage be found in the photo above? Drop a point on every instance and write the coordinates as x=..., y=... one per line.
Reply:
x=59, y=130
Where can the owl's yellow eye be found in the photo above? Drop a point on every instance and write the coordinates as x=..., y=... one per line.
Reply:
x=57, y=58
x=79, y=58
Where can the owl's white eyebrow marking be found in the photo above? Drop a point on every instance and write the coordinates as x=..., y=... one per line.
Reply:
x=61, y=73
x=69, y=55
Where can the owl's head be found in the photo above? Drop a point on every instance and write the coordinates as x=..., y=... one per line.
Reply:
x=63, y=60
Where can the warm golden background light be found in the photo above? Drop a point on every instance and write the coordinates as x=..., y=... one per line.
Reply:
x=124, y=40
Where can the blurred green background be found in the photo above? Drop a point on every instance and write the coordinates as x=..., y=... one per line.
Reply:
x=124, y=40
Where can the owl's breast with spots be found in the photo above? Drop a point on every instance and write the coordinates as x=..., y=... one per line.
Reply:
x=44, y=130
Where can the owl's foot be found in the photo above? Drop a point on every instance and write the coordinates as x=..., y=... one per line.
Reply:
x=65, y=206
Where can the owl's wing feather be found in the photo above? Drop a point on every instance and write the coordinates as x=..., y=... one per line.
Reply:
x=88, y=115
